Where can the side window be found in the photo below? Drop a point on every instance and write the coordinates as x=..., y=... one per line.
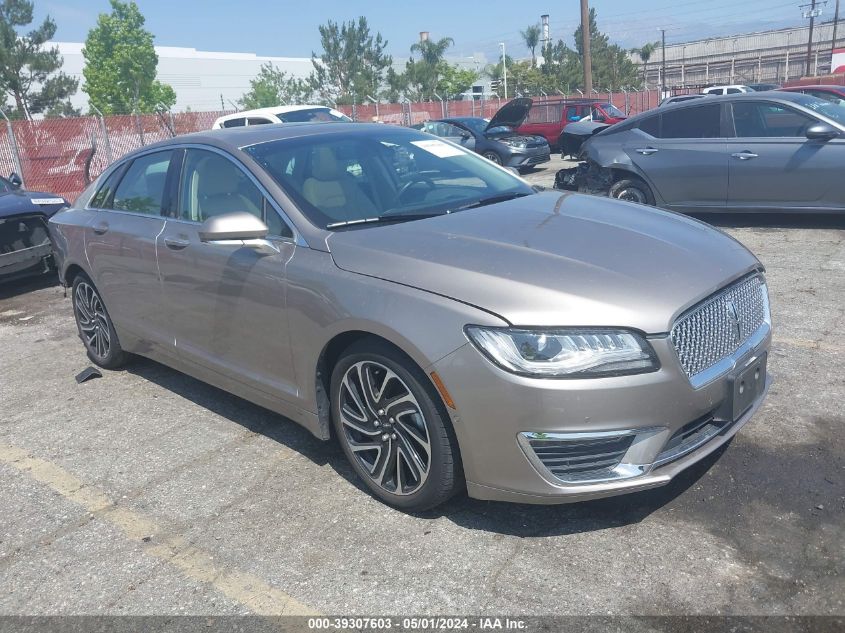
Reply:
x=257, y=121
x=234, y=122
x=571, y=114
x=101, y=198
x=142, y=187
x=213, y=185
x=5, y=185
x=734, y=91
x=651, y=125
x=696, y=122
x=761, y=119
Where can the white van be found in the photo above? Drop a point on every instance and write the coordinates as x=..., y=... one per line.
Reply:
x=726, y=90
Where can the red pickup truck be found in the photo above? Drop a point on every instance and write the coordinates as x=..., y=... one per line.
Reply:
x=548, y=118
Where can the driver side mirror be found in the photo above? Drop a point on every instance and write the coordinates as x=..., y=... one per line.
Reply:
x=821, y=132
x=239, y=225
x=15, y=180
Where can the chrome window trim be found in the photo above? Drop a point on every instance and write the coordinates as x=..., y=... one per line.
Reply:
x=297, y=235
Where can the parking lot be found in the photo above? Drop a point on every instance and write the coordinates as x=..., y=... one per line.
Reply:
x=147, y=492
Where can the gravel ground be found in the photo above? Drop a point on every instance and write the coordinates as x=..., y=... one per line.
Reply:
x=147, y=492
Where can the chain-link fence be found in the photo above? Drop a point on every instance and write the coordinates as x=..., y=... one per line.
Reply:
x=62, y=156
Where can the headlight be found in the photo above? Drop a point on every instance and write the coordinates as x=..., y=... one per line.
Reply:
x=565, y=353
x=514, y=144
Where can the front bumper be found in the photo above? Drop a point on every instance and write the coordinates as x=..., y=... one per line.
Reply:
x=528, y=157
x=497, y=413
x=25, y=246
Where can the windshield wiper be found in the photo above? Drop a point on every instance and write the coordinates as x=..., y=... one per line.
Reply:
x=382, y=219
x=502, y=197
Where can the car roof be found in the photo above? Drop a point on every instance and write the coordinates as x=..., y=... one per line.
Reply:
x=236, y=138
x=769, y=95
x=831, y=87
x=272, y=111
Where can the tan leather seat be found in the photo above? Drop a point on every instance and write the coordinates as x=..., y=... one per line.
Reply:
x=332, y=190
x=218, y=189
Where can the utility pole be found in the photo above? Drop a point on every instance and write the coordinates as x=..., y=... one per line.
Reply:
x=585, y=46
x=504, y=68
x=833, y=39
x=812, y=11
x=663, y=62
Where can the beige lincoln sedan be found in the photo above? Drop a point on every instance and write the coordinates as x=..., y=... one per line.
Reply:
x=449, y=325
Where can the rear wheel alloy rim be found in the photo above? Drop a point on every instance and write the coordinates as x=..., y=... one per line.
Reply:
x=494, y=157
x=384, y=427
x=631, y=194
x=92, y=319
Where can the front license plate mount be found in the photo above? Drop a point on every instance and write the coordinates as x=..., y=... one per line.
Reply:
x=747, y=385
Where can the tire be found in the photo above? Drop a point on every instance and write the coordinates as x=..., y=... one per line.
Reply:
x=395, y=467
x=493, y=157
x=631, y=189
x=95, y=326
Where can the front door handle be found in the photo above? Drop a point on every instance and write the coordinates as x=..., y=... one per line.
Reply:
x=176, y=243
x=647, y=151
x=101, y=227
x=745, y=155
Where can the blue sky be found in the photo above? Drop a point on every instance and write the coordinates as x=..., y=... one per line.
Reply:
x=290, y=28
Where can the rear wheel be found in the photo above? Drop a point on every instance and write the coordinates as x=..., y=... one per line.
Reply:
x=493, y=157
x=632, y=190
x=391, y=427
x=95, y=326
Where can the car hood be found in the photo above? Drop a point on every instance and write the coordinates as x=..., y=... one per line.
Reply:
x=560, y=259
x=512, y=114
x=28, y=202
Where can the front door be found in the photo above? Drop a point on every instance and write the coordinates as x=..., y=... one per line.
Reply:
x=226, y=300
x=774, y=166
x=121, y=248
x=682, y=152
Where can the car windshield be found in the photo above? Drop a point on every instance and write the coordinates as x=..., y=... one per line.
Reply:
x=830, y=109
x=364, y=176
x=312, y=115
x=612, y=110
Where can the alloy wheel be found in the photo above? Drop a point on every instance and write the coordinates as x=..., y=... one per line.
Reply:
x=632, y=194
x=92, y=319
x=493, y=156
x=384, y=427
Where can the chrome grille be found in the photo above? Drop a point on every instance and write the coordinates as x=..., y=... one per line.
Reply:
x=718, y=326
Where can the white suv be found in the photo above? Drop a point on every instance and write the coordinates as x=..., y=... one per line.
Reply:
x=726, y=90
x=280, y=114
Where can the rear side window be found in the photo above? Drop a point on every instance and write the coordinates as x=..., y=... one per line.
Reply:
x=695, y=122
x=141, y=190
x=234, y=122
x=258, y=121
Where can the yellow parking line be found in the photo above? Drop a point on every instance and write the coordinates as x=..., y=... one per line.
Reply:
x=192, y=562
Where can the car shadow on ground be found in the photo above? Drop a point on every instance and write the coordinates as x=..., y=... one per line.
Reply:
x=15, y=287
x=522, y=520
x=773, y=220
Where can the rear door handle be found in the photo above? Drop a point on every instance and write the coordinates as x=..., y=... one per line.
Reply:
x=101, y=227
x=746, y=155
x=175, y=243
x=647, y=151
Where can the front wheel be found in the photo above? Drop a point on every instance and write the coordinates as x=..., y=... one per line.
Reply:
x=391, y=428
x=95, y=326
x=493, y=157
x=631, y=190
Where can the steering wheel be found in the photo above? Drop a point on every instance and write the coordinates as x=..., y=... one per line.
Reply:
x=414, y=180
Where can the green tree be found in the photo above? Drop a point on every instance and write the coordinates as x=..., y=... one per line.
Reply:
x=423, y=75
x=272, y=87
x=453, y=81
x=644, y=53
x=353, y=62
x=612, y=68
x=30, y=73
x=120, y=64
x=531, y=37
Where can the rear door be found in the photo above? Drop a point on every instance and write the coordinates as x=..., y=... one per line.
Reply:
x=682, y=153
x=121, y=246
x=774, y=166
x=226, y=300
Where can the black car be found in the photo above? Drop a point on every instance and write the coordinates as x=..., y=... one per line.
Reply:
x=496, y=140
x=25, y=246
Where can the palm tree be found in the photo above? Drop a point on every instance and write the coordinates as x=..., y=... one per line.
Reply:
x=432, y=52
x=531, y=37
x=645, y=53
